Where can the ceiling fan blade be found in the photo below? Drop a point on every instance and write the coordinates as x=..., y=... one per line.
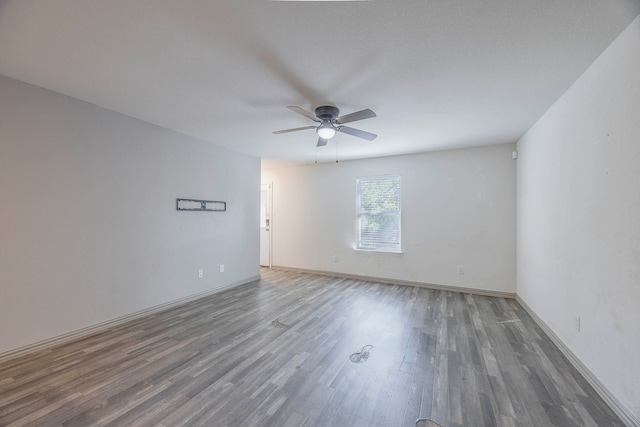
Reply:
x=278, y=132
x=357, y=132
x=304, y=113
x=322, y=142
x=358, y=115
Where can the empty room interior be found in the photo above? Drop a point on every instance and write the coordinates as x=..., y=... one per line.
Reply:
x=319, y=213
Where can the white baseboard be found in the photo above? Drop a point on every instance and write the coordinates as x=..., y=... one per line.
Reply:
x=621, y=411
x=79, y=333
x=448, y=288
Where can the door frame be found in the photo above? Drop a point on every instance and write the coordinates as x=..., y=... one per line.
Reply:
x=269, y=219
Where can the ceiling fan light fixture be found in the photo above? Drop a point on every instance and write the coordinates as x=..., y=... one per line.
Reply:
x=326, y=130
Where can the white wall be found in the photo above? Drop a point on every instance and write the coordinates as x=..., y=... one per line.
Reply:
x=458, y=208
x=88, y=226
x=579, y=218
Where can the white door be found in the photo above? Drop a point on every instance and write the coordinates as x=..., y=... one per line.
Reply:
x=265, y=225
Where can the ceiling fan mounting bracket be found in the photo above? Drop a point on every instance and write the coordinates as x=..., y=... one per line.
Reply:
x=327, y=112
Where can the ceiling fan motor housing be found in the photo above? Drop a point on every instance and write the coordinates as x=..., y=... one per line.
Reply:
x=327, y=112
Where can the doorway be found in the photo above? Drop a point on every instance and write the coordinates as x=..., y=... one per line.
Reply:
x=265, y=225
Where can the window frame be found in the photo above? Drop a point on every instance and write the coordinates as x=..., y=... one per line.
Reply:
x=384, y=246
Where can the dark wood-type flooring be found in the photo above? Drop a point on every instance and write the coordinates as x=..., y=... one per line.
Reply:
x=276, y=352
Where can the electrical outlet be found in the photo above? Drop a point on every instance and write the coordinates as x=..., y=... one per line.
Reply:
x=577, y=323
x=221, y=268
x=335, y=258
x=200, y=273
x=461, y=269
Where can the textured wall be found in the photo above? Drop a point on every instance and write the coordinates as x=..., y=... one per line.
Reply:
x=458, y=208
x=579, y=218
x=88, y=226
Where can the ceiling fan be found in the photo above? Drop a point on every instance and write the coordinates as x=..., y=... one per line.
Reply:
x=330, y=123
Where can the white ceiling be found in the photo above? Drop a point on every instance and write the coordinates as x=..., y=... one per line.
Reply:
x=439, y=73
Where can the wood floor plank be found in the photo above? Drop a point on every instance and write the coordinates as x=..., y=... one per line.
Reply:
x=276, y=352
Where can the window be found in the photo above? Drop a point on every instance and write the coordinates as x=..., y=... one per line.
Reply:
x=378, y=213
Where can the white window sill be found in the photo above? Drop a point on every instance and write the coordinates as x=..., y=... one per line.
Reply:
x=378, y=251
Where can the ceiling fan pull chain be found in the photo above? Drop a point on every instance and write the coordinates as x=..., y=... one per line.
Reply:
x=336, y=151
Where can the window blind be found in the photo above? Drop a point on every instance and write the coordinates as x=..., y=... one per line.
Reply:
x=378, y=213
